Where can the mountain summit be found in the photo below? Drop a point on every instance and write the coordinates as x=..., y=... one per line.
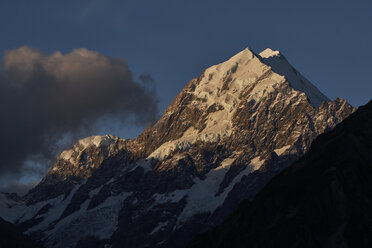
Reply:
x=280, y=65
x=226, y=134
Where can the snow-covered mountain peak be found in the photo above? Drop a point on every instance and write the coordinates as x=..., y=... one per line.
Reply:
x=245, y=54
x=268, y=52
x=97, y=140
x=280, y=65
x=245, y=60
x=218, y=94
x=215, y=98
x=223, y=137
x=91, y=141
x=78, y=160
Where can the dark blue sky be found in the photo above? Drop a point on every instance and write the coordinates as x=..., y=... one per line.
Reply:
x=327, y=41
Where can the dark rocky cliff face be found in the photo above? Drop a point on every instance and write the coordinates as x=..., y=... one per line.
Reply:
x=322, y=200
x=221, y=140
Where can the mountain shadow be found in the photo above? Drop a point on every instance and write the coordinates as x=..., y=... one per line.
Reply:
x=12, y=237
x=322, y=200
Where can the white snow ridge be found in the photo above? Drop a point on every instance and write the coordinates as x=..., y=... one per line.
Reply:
x=280, y=65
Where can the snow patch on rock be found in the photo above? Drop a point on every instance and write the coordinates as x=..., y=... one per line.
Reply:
x=96, y=140
x=202, y=196
x=58, y=205
x=269, y=53
x=282, y=150
x=100, y=222
x=67, y=155
x=185, y=142
x=159, y=227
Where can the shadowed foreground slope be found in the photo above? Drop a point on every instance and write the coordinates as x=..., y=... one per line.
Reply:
x=322, y=200
x=11, y=237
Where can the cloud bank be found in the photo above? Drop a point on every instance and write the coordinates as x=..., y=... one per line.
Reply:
x=43, y=97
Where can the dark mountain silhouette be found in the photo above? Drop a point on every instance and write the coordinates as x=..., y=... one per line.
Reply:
x=322, y=200
x=12, y=237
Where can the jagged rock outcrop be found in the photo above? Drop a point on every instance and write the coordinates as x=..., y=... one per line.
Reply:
x=221, y=140
x=322, y=200
x=79, y=163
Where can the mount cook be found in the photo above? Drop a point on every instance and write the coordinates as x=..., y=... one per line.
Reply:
x=225, y=135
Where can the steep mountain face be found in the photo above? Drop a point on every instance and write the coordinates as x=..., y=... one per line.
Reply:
x=322, y=200
x=221, y=140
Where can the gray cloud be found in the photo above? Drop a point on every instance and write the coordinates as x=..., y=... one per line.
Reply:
x=146, y=78
x=43, y=97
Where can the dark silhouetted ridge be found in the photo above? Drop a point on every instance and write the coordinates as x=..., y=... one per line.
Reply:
x=322, y=200
x=12, y=237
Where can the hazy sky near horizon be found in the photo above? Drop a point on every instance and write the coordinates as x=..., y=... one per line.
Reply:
x=329, y=42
